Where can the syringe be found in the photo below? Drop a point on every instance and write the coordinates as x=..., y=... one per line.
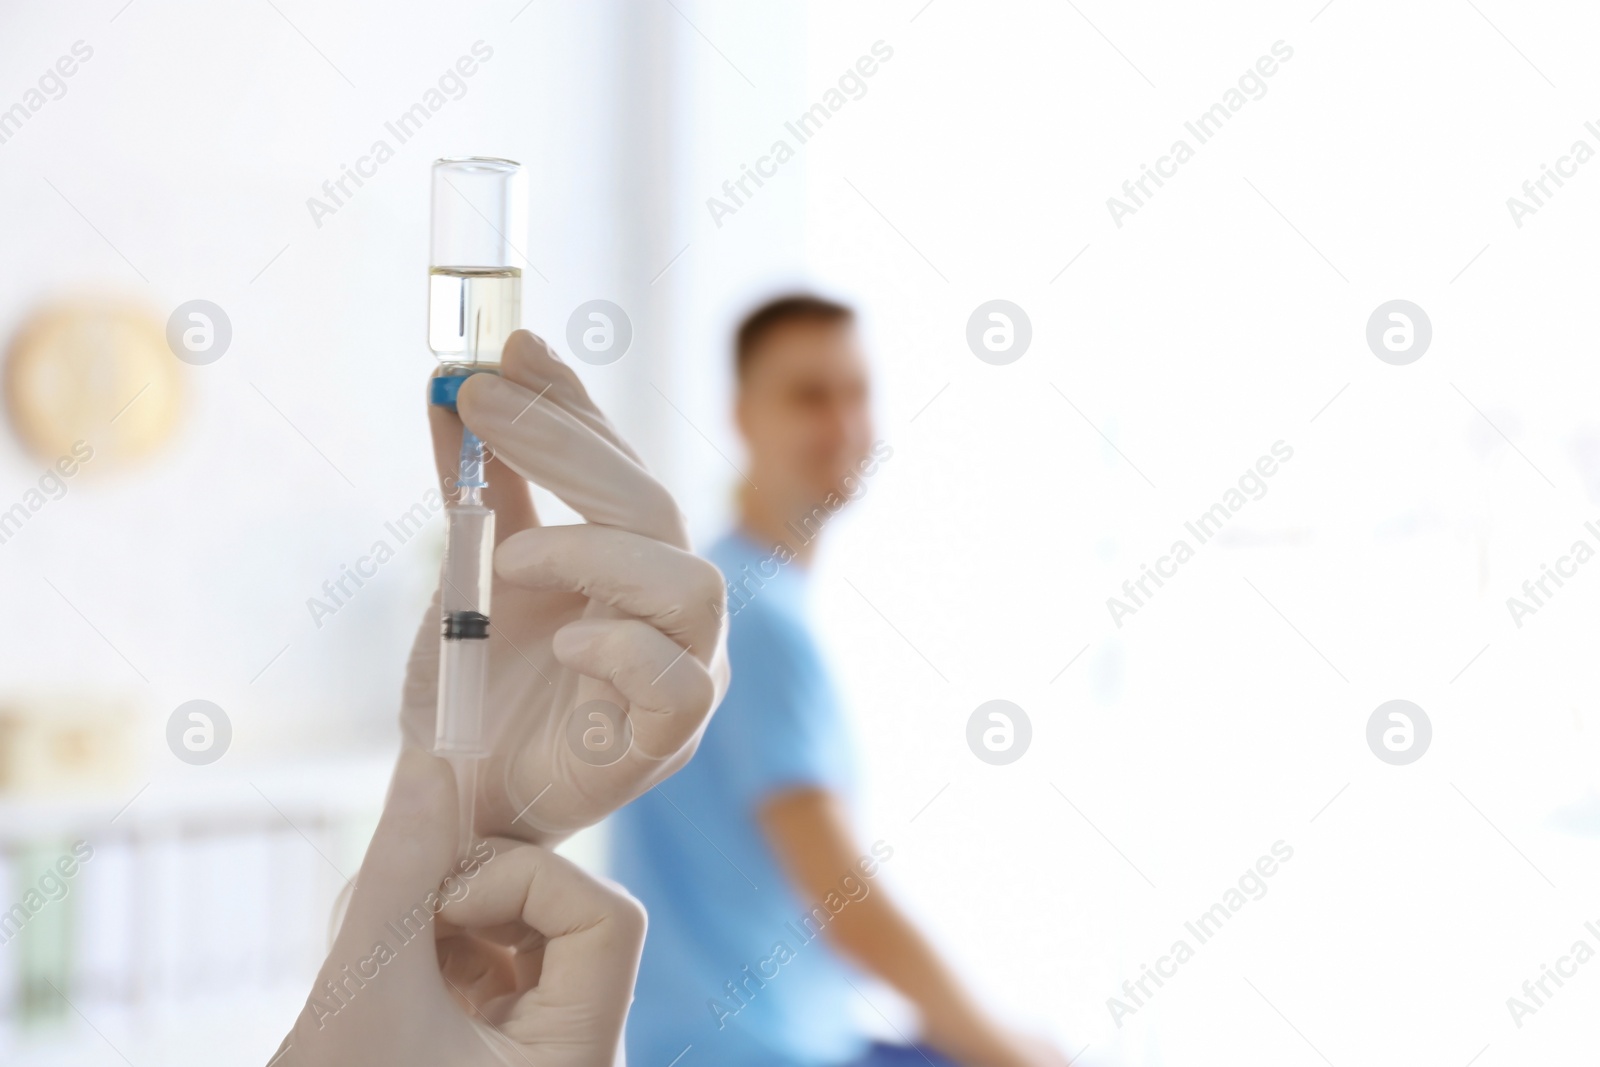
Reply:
x=464, y=638
x=474, y=303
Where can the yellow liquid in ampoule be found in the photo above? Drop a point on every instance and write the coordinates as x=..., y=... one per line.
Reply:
x=471, y=312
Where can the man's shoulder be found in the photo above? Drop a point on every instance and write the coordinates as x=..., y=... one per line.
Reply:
x=762, y=595
x=767, y=626
x=734, y=551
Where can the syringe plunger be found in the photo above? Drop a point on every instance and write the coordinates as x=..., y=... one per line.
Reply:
x=464, y=600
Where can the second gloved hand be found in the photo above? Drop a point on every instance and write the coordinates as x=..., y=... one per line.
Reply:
x=512, y=956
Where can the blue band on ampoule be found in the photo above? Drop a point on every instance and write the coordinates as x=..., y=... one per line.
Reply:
x=442, y=392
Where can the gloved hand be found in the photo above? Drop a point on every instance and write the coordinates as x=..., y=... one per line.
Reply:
x=616, y=609
x=529, y=961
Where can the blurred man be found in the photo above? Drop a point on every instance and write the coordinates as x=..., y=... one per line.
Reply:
x=757, y=889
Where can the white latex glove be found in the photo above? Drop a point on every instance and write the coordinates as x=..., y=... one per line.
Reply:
x=616, y=608
x=530, y=961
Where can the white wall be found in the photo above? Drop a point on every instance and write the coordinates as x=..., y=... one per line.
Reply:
x=188, y=145
x=1195, y=336
x=192, y=140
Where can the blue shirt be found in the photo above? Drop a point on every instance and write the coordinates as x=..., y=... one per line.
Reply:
x=721, y=909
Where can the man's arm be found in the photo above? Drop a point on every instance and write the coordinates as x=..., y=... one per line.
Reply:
x=810, y=833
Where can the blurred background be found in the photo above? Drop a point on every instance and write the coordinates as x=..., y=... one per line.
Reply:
x=1170, y=348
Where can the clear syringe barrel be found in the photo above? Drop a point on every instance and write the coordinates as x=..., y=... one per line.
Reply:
x=464, y=644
